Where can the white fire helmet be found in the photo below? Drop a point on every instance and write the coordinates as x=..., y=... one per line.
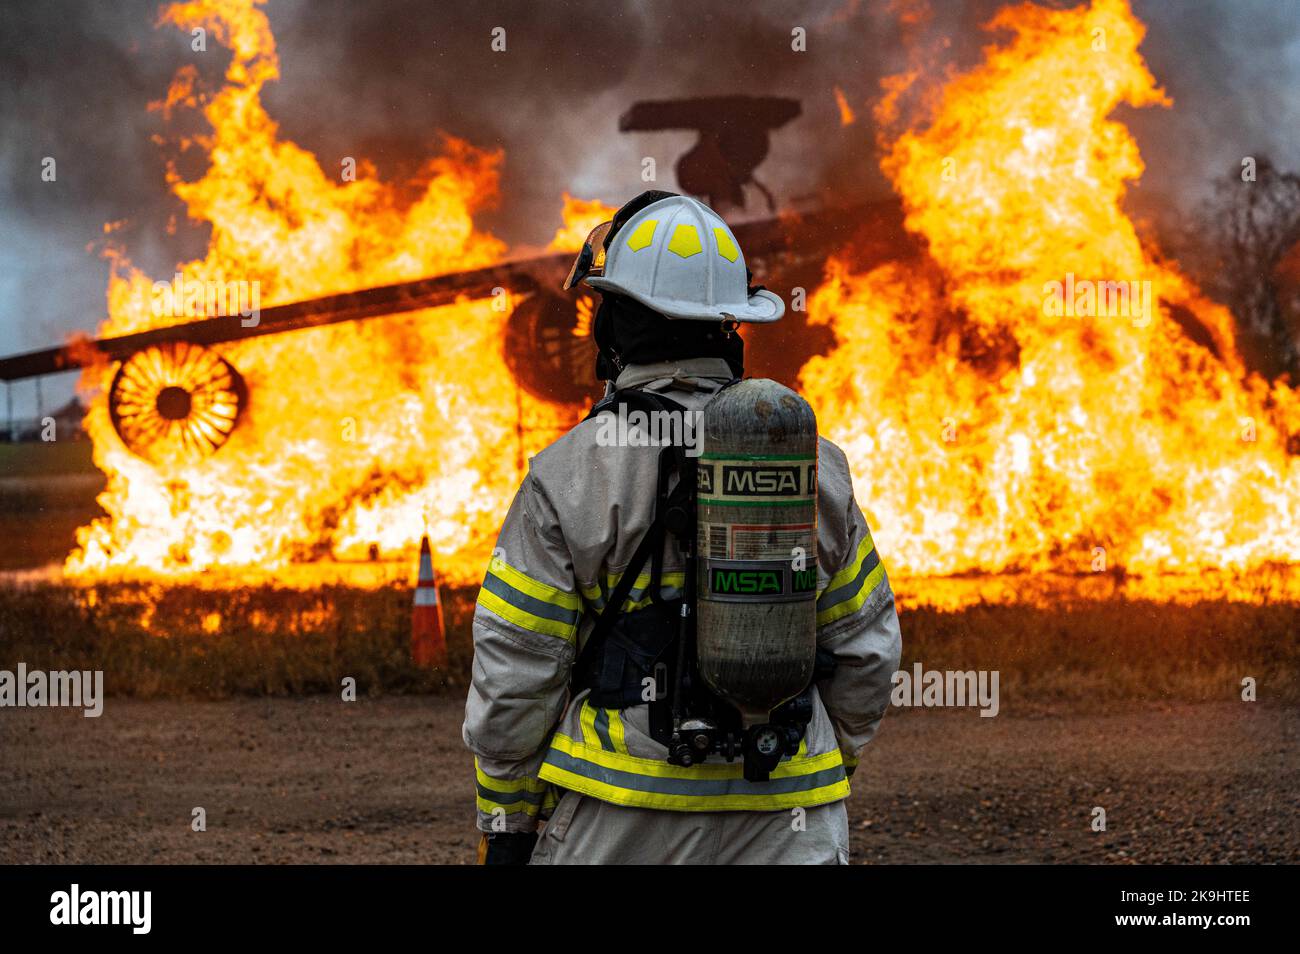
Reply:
x=679, y=258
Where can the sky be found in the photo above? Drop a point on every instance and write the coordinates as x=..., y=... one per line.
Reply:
x=383, y=79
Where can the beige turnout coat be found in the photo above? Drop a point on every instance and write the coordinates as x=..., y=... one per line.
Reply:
x=568, y=536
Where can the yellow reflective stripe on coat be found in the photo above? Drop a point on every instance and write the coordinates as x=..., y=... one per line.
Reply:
x=637, y=598
x=529, y=604
x=649, y=783
x=512, y=795
x=617, y=734
x=602, y=728
x=587, y=719
x=849, y=589
x=550, y=798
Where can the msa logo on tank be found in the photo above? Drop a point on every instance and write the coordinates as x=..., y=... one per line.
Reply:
x=757, y=514
x=749, y=480
x=758, y=580
x=757, y=481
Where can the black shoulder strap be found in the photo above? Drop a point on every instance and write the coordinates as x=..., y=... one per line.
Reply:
x=636, y=399
x=652, y=542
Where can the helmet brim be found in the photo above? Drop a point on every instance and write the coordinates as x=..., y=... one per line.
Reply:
x=761, y=308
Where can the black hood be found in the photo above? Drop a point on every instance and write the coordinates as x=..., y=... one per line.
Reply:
x=627, y=332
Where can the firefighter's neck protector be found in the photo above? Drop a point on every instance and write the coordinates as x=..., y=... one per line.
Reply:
x=627, y=332
x=674, y=255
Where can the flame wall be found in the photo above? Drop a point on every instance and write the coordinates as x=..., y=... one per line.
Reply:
x=986, y=433
x=360, y=433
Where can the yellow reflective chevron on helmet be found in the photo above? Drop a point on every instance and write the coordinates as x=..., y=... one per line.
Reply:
x=685, y=241
x=642, y=235
x=656, y=258
x=726, y=247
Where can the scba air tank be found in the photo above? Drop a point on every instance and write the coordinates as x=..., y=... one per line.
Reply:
x=756, y=628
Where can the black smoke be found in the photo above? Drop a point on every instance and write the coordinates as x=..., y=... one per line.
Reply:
x=381, y=80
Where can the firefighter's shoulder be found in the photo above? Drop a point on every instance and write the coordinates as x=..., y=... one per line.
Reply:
x=593, y=456
x=834, y=481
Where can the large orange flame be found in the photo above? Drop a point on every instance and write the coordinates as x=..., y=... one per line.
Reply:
x=996, y=418
x=358, y=435
x=580, y=217
x=992, y=425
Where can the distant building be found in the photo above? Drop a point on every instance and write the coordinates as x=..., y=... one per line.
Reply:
x=67, y=425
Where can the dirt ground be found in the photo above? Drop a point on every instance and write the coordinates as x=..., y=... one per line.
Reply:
x=316, y=780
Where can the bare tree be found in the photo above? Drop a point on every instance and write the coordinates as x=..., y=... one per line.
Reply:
x=1253, y=238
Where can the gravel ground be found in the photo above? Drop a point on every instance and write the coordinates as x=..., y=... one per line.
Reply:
x=315, y=780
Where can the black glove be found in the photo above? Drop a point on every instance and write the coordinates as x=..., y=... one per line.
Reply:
x=508, y=847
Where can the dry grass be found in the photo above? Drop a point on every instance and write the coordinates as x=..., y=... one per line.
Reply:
x=1118, y=649
x=187, y=641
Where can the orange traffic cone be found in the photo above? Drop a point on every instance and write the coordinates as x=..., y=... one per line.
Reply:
x=428, y=642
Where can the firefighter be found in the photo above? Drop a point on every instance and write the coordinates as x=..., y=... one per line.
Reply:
x=597, y=778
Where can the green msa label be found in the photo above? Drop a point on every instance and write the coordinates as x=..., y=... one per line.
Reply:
x=757, y=581
x=804, y=581
x=745, y=582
